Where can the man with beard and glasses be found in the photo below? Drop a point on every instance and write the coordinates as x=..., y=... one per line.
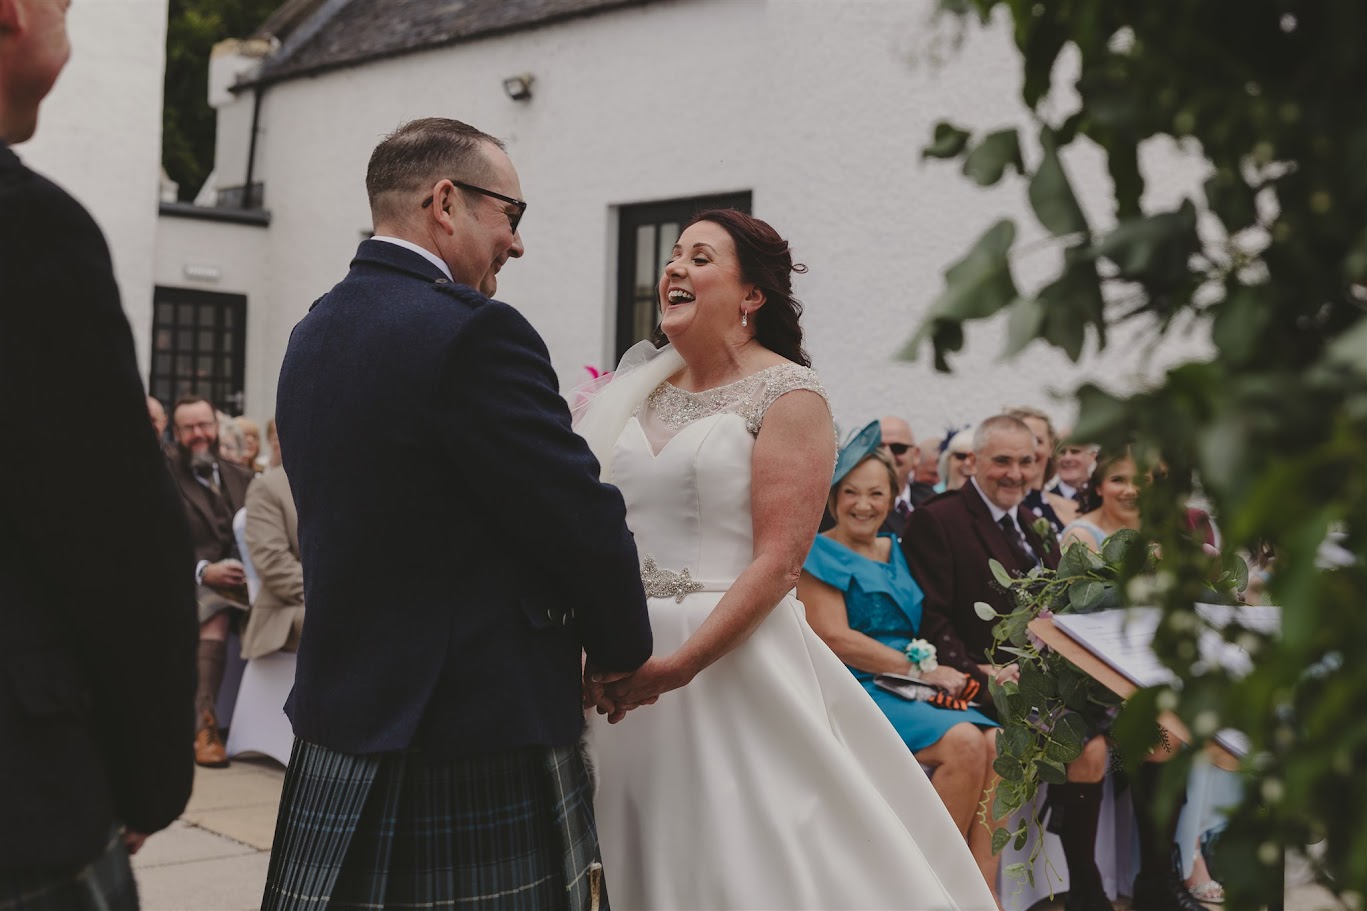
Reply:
x=96, y=640
x=213, y=490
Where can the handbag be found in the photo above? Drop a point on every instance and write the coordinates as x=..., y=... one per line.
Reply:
x=916, y=690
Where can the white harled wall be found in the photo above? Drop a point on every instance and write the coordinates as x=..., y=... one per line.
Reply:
x=820, y=108
x=99, y=137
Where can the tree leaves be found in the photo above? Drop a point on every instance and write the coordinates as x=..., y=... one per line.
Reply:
x=1051, y=195
x=976, y=286
x=989, y=160
x=948, y=142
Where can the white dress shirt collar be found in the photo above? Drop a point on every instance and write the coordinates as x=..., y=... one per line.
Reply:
x=997, y=511
x=424, y=253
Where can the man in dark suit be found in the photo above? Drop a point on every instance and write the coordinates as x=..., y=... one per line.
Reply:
x=96, y=640
x=212, y=490
x=948, y=544
x=899, y=443
x=420, y=424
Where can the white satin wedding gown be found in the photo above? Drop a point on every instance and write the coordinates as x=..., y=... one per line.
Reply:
x=771, y=780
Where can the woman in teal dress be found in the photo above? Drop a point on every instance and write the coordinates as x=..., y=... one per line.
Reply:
x=863, y=602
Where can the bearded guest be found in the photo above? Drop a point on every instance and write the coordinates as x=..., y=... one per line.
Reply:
x=212, y=489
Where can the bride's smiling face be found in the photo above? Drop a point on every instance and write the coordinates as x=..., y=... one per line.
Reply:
x=701, y=287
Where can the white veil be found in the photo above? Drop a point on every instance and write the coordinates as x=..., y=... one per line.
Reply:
x=601, y=407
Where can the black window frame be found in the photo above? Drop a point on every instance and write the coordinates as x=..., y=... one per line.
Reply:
x=214, y=316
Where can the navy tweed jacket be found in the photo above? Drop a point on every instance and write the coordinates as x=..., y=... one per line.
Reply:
x=420, y=426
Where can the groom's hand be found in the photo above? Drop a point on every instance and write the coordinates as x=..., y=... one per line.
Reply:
x=594, y=695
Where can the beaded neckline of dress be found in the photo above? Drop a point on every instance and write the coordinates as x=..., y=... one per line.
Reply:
x=676, y=408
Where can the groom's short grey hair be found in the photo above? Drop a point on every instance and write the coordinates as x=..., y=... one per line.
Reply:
x=417, y=155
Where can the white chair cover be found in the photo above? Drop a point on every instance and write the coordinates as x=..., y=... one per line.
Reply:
x=1117, y=854
x=240, y=533
x=260, y=724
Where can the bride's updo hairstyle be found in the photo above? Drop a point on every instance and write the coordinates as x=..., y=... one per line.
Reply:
x=766, y=261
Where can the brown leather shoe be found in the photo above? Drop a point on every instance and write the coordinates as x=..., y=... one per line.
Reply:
x=209, y=750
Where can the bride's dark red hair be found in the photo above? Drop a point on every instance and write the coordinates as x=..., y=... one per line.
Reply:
x=766, y=261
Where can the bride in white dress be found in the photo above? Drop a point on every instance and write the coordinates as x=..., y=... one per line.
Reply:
x=764, y=776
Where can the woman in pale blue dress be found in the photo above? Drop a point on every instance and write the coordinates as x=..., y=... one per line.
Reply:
x=862, y=601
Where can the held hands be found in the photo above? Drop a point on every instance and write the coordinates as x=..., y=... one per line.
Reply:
x=616, y=693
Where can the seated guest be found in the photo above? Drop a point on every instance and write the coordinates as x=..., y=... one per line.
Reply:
x=277, y=615
x=1112, y=503
x=212, y=490
x=900, y=445
x=1113, y=498
x=926, y=476
x=251, y=444
x=948, y=545
x=1057, y=510
x=862, y=601
x=955, y=465
x=1073, y=465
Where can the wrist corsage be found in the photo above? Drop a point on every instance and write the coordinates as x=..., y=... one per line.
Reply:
x=921, y=654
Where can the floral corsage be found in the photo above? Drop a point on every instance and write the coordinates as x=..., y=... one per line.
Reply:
x=921, y=654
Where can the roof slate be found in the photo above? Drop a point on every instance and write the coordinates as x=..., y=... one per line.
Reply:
x=356, y=31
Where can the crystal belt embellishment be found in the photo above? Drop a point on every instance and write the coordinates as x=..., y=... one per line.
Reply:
x=665, y=583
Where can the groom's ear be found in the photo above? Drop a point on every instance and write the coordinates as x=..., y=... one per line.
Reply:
x=441, y=209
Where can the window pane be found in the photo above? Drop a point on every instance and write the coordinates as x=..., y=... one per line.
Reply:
x=185, y=340
x=165, y=313
x=185, y=314
x=161, y=364
x=161, y=388
x=669, y=236
x=225, y=369
x=206, y=315
x=228, y=317
x=645, y=260
x=204, y=366
x=162, y=340
x=225, y=342
x=206, y=340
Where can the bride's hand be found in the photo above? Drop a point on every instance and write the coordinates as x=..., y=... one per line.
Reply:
x=645, y=685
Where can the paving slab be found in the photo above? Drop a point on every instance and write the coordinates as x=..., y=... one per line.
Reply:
x=242, y=784
x=253, y=826
x=181, y=843
x=218, y=884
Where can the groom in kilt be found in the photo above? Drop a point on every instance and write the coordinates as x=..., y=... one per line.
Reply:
x=437, y=706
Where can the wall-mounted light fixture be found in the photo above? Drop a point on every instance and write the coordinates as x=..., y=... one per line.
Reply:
x=519, y=87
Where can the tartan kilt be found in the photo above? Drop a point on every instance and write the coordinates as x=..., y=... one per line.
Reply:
x=104, y=884
x=511, y=830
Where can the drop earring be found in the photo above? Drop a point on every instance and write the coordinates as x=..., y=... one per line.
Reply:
x=744, y=318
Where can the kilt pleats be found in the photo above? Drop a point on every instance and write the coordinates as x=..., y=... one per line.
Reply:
x=408, y=830
x=105, y=884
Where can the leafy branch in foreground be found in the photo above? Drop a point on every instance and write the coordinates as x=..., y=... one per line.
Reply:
x=1270, y=259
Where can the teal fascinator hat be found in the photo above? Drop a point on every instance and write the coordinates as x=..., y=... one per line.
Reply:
x=859, y=445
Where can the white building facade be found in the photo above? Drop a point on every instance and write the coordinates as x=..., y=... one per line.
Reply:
x=99, y=137
x=811, y=113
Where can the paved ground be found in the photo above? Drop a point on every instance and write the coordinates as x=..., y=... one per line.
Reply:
x=214, y=857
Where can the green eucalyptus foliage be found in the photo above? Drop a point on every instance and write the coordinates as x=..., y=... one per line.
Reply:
x=1272, y=257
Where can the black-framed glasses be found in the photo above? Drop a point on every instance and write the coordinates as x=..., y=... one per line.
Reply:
x=514, y=218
